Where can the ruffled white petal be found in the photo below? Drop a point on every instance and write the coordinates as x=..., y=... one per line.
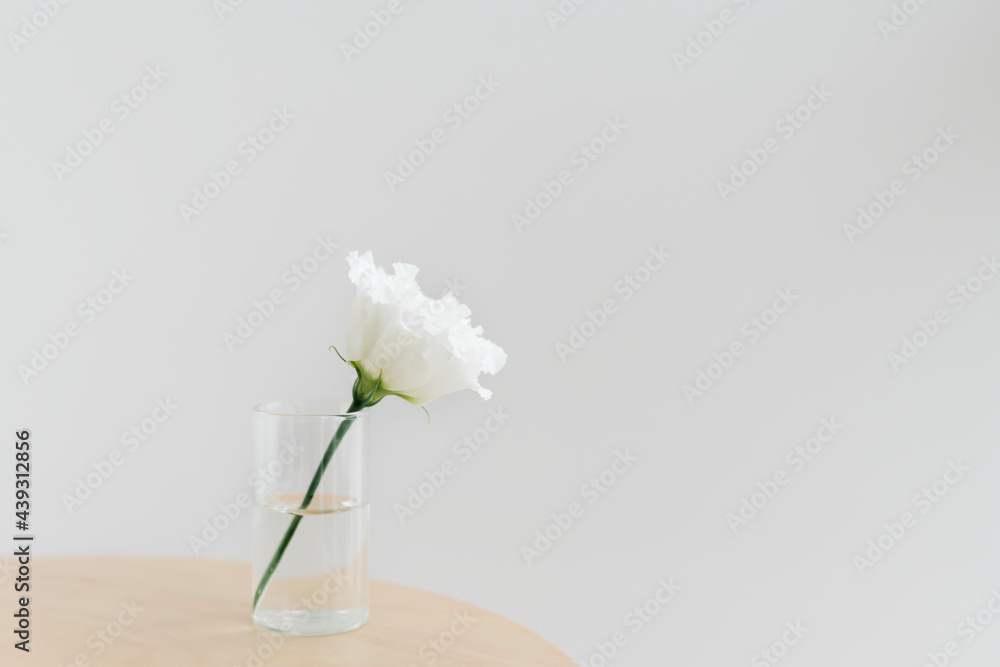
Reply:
x=422, y=348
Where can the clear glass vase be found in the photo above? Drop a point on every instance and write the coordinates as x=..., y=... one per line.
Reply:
x=319, y=585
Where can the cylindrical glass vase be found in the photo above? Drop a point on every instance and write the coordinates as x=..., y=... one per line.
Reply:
x=319, y=585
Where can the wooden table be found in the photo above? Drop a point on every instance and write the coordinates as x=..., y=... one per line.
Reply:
x=152, y=612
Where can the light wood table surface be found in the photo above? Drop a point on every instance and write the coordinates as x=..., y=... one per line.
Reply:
x=194, y=612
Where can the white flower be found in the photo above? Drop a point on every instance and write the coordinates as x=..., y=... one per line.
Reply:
x=407, y=344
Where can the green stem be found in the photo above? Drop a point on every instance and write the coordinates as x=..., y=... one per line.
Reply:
x=310, y=493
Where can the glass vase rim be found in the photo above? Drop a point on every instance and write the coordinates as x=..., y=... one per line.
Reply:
x=279, y=408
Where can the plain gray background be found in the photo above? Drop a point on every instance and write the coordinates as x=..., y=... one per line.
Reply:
x=655, y=185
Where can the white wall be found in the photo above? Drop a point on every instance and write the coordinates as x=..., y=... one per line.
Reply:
x=656, y=185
